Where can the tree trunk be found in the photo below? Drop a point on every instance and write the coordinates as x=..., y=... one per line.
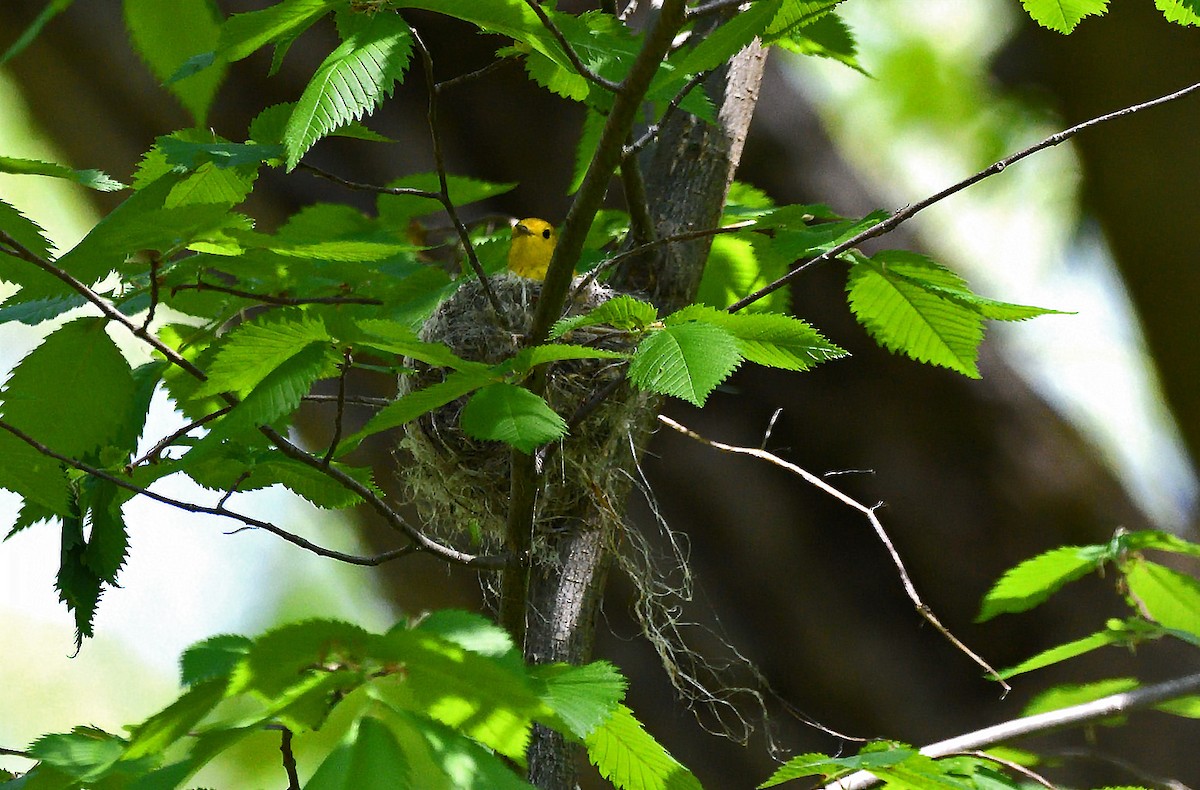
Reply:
x=687, y=174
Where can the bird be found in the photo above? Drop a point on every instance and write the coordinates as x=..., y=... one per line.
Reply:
x=533, y=243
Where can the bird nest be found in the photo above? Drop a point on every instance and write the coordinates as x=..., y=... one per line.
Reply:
x=459, y=484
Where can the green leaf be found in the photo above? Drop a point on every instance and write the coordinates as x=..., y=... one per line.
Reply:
x=93, y=179
x=37, y=478
x=798, y=13
x=78, y=586
x=1117, y=633
x=211, y=658
x=49, y=11
x=254, y=349
x=623, y=312
x=370, y=758
x=1171, y=598
x=890, y=295
x=1142, y=540
x=166, y=35
x=108, y=538
x=1063, y=15
x=583, y=697
x=769, y=339
x=74, y=392
x=1067, y=695
x=163, y=729
x=353, y=80
x=226, y=468
x=585, y=149
x=730, y=38
x=1181, y=12
x=192, y=154
x=243, y=34
x=414, y=404
x=813, y=764
x=740, y=264
x=25, y=232
x=287, y=656
x=469, y=631
x=85, y=753
x=685, y=361
x=1035, y=580
x=827, y=37
x=465, y=764
x=513, y=415
x=629, y=757
x=529, y=358
x=399, y=338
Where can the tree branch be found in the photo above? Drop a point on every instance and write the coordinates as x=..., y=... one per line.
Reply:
x=869, y=512
x=908, y=212
x=283, y=301
x=569, y=51
x=1073, y=716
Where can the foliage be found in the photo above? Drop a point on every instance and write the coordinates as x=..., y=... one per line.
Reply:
x=445, y=701
x=243, y=322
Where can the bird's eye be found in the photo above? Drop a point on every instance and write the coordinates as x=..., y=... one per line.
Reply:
x=546, y=233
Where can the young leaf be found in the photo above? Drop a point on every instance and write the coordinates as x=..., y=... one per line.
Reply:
x=163, y=729
x=776, y=341
x=685, y=361
x=243, y=34
x=730, y=38
x=1063, y=15
x=629, y=757
x=513, y=415
x=86, y=753
x=1067, y=695
x=370, y=758
x=166, y=35
x=78, y=586
x=1035, y=580
x=1171, y=598
x=211, y=658
x=740, y=264
x=890, y=296
x=623, y=312
x=465, y=764
x=255, y=349
x=529, y=358
x=74, y=392
x=583, y=697
x=822, y=764
x=353, y=80
x=1117, y=633
x=93, y=179
x=414, y=404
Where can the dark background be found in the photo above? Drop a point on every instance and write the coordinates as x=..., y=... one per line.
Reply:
x=976, y=475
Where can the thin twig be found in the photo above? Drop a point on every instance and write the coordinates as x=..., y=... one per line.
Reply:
x=901, y=215
x=284, y=301
x=152, y=455
x=110, y=312
x=652, y=131
x=352, y=400
x=289, y=758
x=347, y=361
x=569, y=51
x=1073, y=716
x=714, y=7
x=476, y=74
x=690, y=235
x=439, y=161
x=641, y=224
x=909, y=588
x=1015, y=767
x=155, y=260
x=364, y=187
x=221, y=511
x=233, y=489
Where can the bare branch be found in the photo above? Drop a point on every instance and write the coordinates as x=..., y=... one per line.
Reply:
x=355, y=400
x=289, y=758
x=474, y=75
x=904, y=214
x=869, y=512
x=569, y=51
x=363, y=187
x=652, y=131
x=1073, y=716
x=152, y=455
x=347, y=361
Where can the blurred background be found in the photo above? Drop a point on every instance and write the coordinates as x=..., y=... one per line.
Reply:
x=1082, y=424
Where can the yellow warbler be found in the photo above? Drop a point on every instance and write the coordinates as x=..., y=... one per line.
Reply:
x=533, y=243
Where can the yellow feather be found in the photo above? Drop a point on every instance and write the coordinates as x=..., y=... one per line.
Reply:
x=533, y=243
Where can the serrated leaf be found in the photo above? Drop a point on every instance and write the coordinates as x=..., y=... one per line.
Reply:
x=685, y=361
x=352, y=80
x=1033, y=581
x=1067, y=651
x=86, y=753
x=78, y=587
x=798, y=13
x=465, y=764
x=191, y=154
x=211, y=658
x=827, y=37
x=1063, y=15
x=629, y=757
x=399, y=338
x=166, y=35
x=469, y=631
x=92, y=179
x=583, y=697
x=1181, y=12
x=1154, y=539
x=243, y=34
x=369, y=758
x=108, y=538
x=254, y=349
x=777, y=341
x=1171, y=598
x=529, y=358
x=73, y=392
x=163, y=729
x=888, y=294
x=286, y=656
x=816, y=764
x=25, y=232
x=730, y=38
x=37, y=478
x=623, y=312
x=1067, y=695
x=226, y=468
x=513, y=415
x=414, y=404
